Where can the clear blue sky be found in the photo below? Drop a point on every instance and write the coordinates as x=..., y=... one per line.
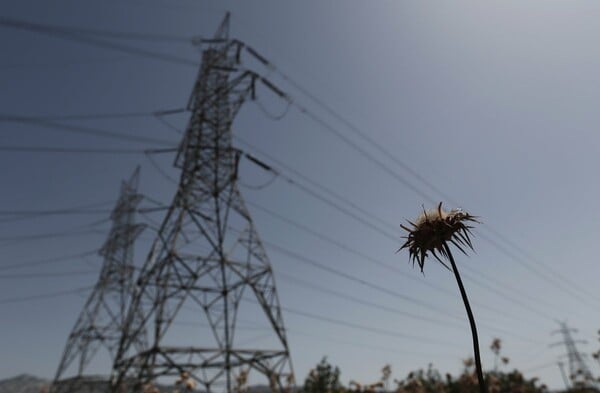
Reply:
x=494, y=104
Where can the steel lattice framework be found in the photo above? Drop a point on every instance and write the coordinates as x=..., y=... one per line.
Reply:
x=207, y=254
x=104, y=314
x=579, y=373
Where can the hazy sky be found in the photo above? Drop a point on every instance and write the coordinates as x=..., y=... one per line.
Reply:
x=494, y=105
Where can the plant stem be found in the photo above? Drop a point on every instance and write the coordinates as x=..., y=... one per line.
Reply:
x=463, y=293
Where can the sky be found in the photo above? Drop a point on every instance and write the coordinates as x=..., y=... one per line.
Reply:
x=394, y=105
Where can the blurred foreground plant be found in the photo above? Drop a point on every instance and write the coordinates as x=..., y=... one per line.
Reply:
x=323, y=379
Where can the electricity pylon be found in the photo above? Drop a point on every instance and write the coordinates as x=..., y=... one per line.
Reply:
x=103, y=316
x=206, y=256
x=579, y=373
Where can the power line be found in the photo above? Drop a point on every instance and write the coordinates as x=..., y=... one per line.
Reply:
x=538, y=273
x=75, y=231
x=354, y=299
x=354, y=206
x=97, y=32
x=510, y=288
x=396, y=311
x=62, y=64
x=360, y=344
x=19, y=215
x=313, y=183
x=45, y=275
x=305, y=111
x=370, y=329
x=44, y=295
x=513, y=300
x=392, y=310
x=540, y=367
x=168, y=125
x=361, y=281
x=81, y=209
x=38, y=149
x=558, y=278
x=313, y=232
x=344, y=200
x=46, y=261
x=97, y=116
x=161, y=171
x=51, y=212
x=330, y=203
x=78, y=37
x=83, y=130
x=49, y=235
x=349, y=249
x=68, y=34
x=364, y=136
x=386, y=266
x=345, y=247
x=295, y=332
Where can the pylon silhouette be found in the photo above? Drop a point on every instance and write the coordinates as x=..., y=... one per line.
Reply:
x=206, y=256
x=103, y=316
x=579, y=373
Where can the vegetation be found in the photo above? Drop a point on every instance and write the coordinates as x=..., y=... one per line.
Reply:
x=324, y=378
x=431, y=381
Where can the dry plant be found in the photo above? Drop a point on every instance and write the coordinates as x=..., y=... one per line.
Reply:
x=496, y=347
x=386, y=372
x=290, y=382
x=149, y=388
x=186, y=381
x=430, y=233
x=274, y=383
x=358, y=387
x=241, y=381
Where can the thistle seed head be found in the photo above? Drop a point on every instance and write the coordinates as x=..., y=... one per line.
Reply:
x=433, y=229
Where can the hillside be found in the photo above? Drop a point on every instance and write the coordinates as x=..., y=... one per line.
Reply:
x=23, y=383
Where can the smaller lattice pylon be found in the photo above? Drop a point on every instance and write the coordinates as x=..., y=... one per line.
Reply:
x=101, y=321
x=579, y=372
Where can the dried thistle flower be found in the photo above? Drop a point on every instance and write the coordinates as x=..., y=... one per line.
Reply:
x=431, y=232
x=433, y=229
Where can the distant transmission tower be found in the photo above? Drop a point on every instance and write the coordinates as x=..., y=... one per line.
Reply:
x=207, y=271
x=102, y=319
x=579, y=373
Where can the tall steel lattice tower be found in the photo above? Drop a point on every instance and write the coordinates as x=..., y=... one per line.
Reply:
x=579, y=373
x=206, y=257
x=103, y=317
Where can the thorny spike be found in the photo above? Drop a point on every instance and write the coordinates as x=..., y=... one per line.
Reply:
x=459, y=247
x=405, y=228
x=439, y=259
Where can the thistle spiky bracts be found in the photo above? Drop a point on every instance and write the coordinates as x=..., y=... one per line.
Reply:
x=435, y=228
